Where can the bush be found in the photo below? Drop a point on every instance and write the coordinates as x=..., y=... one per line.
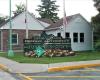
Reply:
x=97, y=45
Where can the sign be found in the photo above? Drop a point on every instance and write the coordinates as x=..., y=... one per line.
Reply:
x=40, y=44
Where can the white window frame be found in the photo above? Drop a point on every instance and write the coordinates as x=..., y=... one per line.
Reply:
x=17, y=39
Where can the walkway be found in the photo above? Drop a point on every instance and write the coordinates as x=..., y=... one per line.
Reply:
x=23, y=68
x=6, y=76
x=35, y=68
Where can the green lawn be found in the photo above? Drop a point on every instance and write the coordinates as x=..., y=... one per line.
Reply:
x=80, y=56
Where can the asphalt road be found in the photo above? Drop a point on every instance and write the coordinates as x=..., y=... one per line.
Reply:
x=82, y=72
x=85, y=72
x=7, y=76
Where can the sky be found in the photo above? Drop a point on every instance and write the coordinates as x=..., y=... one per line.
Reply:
x=84, y=7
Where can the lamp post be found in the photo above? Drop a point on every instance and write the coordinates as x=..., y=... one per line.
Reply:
x=10, y=51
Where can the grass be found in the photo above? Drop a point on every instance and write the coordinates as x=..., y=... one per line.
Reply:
x=80, y=56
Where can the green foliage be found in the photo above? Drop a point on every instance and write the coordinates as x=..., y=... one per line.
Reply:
x=2, y=19
x=96, y=25
x=20, y=8
x=48, y=10
x=95, y=21
x=97, y=4
x=97, y=45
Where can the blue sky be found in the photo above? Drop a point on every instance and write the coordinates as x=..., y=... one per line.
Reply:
x=84, y=7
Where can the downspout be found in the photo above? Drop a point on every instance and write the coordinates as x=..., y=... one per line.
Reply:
x=1, y=40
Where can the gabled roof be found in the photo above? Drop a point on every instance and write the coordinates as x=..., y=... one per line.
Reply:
x=59, y=23
x=40, y=23
x=8, y=20
x=45, y=20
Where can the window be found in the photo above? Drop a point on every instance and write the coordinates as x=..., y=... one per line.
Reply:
x=81, y=37
x=75, y=37
x=58, y=34
x=14, y=39
x=67, y=35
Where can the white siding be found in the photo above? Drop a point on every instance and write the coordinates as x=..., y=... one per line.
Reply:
x=19, y=23
x=78, y=25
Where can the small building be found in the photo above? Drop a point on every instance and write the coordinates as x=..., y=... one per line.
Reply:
x=77, y=28
x=35, y=28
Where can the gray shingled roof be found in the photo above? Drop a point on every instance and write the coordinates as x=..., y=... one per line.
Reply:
x=60, y=22
x=45, y=20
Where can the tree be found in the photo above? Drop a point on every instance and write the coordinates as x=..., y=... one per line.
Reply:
x=48, y=10
x=96, y=24
x=95, y=21
x=97, y=4
x=20, y=8
x=2, y=19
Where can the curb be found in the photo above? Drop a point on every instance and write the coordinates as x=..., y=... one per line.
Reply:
x=24, y=77
x=55, y=69
x=5, y=68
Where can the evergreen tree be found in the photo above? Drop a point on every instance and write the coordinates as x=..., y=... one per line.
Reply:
x=96, y=20
x=20, y=9
x=96, y=24
x=48, y=10
x=97, y=4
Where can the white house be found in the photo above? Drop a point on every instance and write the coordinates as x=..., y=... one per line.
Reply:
x=78, y=29
x=34, y=25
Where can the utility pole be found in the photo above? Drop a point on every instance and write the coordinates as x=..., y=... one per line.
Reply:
x=64, y=19
x=10, y=51
x=26, y=21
